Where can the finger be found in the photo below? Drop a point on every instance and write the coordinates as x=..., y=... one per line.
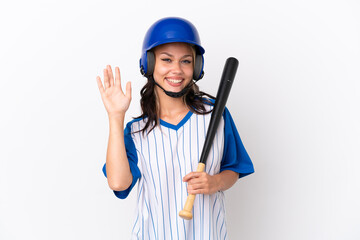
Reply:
x=195, y=187
x=196, y=180
x=111, y=76
x=117, y=77
x=191, y=175
x=198, y=191
x=128, y=90
x=187, y=177
x=106, y=79
x=99, y=83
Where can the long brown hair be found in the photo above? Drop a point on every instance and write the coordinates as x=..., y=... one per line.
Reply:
x=194, y=99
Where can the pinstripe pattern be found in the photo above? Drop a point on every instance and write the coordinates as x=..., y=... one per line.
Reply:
x=165, y=156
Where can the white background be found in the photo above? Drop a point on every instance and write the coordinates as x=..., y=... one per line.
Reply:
x=295, y=103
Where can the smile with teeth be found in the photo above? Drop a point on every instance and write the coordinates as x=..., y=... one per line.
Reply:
x=174, y=80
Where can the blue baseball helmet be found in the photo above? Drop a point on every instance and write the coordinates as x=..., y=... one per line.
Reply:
x=168, y=30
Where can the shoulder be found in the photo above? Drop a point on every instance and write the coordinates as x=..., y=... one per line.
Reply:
x=135, y=120
x=135, y=124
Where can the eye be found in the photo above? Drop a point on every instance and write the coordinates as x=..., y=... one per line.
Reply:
x=166, y=60
x=186, y=61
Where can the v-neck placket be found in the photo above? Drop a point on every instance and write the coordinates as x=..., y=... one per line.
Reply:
x=179, y=125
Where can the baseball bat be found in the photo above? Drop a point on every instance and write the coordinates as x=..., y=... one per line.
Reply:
x=222, y=95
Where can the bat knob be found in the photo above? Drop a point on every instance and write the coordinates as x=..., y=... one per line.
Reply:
x=185, y=214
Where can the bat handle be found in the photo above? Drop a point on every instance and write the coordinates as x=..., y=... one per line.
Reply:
x=186, y=213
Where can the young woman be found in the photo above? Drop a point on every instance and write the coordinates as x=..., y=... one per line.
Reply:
x=160, y=149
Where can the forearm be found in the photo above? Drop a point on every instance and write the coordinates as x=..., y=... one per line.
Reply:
x=117, y=165
x=226, y=179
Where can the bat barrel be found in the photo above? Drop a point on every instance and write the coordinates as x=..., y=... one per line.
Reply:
x=222, y=95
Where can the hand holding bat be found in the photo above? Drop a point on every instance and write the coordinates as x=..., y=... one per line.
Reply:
x=202, y=183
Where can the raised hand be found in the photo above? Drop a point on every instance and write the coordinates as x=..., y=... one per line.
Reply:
x=113, y=97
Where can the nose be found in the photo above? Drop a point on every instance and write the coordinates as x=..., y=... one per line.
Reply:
x=176, y=68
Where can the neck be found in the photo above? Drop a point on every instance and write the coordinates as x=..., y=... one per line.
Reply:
x=170, y=106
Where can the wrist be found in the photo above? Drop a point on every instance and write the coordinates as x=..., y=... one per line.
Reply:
x=116, y=116
x=218, y=180
x=116, y=122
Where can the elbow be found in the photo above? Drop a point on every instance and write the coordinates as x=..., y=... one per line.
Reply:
x=120, y=186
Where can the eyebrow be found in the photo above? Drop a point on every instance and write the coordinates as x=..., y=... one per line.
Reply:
x=188, y=55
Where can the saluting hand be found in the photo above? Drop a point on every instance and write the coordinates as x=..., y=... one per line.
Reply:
x=113, y=97
x=202, y=183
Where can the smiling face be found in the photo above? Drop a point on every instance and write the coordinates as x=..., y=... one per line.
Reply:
x=174, y=66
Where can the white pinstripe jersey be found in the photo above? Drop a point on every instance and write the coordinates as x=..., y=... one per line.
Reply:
x=159, y=161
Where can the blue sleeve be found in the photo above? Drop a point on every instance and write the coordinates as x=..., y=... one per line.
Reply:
x=133, y=160
x=235, y=157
